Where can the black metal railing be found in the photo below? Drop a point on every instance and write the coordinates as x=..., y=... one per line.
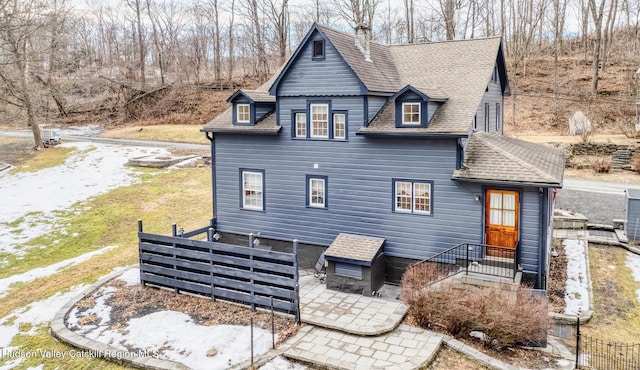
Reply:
x=475, y=259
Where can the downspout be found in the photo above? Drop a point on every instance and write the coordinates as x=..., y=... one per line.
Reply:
x=214, y=194
x=542, y=259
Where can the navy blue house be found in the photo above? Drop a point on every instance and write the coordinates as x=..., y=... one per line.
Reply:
x=401, y=143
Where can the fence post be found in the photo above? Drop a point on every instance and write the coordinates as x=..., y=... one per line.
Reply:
x=578, y=343
x=211, y=252
x=174, y=230
x=296, y=277
x=251, y=322
x=140, y=253
x=253, y=305
x=273, y=327
x=466, y=262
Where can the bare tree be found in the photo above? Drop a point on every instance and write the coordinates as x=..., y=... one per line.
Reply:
x=138, y=8
x=597, y=13
x=409, y=15
x=19, y=21
x=357, y=12
x=278, y=14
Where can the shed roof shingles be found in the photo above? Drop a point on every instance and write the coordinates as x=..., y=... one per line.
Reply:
x=355, y=247
x=505, y=159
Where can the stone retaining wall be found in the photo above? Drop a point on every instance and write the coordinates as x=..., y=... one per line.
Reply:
x=620, y=154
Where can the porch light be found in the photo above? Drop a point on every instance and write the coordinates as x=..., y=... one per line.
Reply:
x=478, y=197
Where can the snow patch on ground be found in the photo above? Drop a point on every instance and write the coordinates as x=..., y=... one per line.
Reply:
x=30, y=199
x=35, y=313
x=168, y=334
x=131, y=277
x=281, y=363
x=577, y=288
x=633, y=262
x=40, y=272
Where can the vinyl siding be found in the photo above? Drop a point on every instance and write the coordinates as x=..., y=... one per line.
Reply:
x=375, y=104
x=530, y=229
x=360, y=172
x=492, y=96
x=319, y=77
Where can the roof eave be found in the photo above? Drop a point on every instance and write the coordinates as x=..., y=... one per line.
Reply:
x=435, y=135
x=507, y=182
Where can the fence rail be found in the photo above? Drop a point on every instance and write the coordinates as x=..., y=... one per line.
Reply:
x=247, y=275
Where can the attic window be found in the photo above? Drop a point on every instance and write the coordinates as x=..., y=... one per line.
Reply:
x=242, y=113
x=318, y=49
x=410, y=113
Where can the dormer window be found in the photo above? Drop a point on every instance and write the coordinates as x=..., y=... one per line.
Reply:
x=243, y=113
x=411, y=113
x=318, y=49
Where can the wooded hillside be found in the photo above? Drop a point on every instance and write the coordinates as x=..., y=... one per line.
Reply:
x=164, y=61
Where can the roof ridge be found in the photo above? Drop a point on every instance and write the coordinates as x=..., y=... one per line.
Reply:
x=514, y=158
x=444, y=41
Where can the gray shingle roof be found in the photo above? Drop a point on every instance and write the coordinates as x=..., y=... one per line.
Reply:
x=509, y=160
x=354, y=247
x=379, y=74
x=259, y=96
x=223, y=124
x=461, y=69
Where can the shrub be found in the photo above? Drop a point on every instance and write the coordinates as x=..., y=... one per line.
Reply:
x=508, y=316
x=601, y=165
x=635, y=162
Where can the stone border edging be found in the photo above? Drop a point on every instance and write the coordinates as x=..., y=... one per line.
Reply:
x=59, y=330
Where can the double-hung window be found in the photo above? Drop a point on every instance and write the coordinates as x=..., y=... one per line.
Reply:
x=242, y=113
x=412, y=196
x=252, y=189
x=301, y=124
x=411, y=113
x=317, y=191
x=339, y=126
x=319, y=120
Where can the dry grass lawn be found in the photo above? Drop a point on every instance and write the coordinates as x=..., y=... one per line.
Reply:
x=617, y=310
x=177, y=133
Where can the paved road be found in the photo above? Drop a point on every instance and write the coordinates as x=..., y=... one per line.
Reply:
x=600, y=201
x=104, y=140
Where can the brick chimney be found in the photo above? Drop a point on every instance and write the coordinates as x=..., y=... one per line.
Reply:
x=363, y=40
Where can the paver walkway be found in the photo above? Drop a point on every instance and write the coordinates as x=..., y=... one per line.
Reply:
x=347, y=312
x=405, y=348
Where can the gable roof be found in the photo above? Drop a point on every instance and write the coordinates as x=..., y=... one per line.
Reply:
x=433, y=93
x=223, y=123
x=356, y=248
x=255, y=96
x=501, y=159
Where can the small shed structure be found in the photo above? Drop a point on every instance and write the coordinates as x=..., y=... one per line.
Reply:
x=355, y=264
x=632, y=213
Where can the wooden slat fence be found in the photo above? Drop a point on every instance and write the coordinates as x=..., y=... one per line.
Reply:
x=255, y=277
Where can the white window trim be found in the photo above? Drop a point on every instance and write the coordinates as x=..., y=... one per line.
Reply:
x=395, y=200
x=413, y=198
x=419, y=113
x=238, y=114
x=261, y=191
x=303, y=122
x=412, y=184
x=344, y=126
x=311, y=120
x=324, y=193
